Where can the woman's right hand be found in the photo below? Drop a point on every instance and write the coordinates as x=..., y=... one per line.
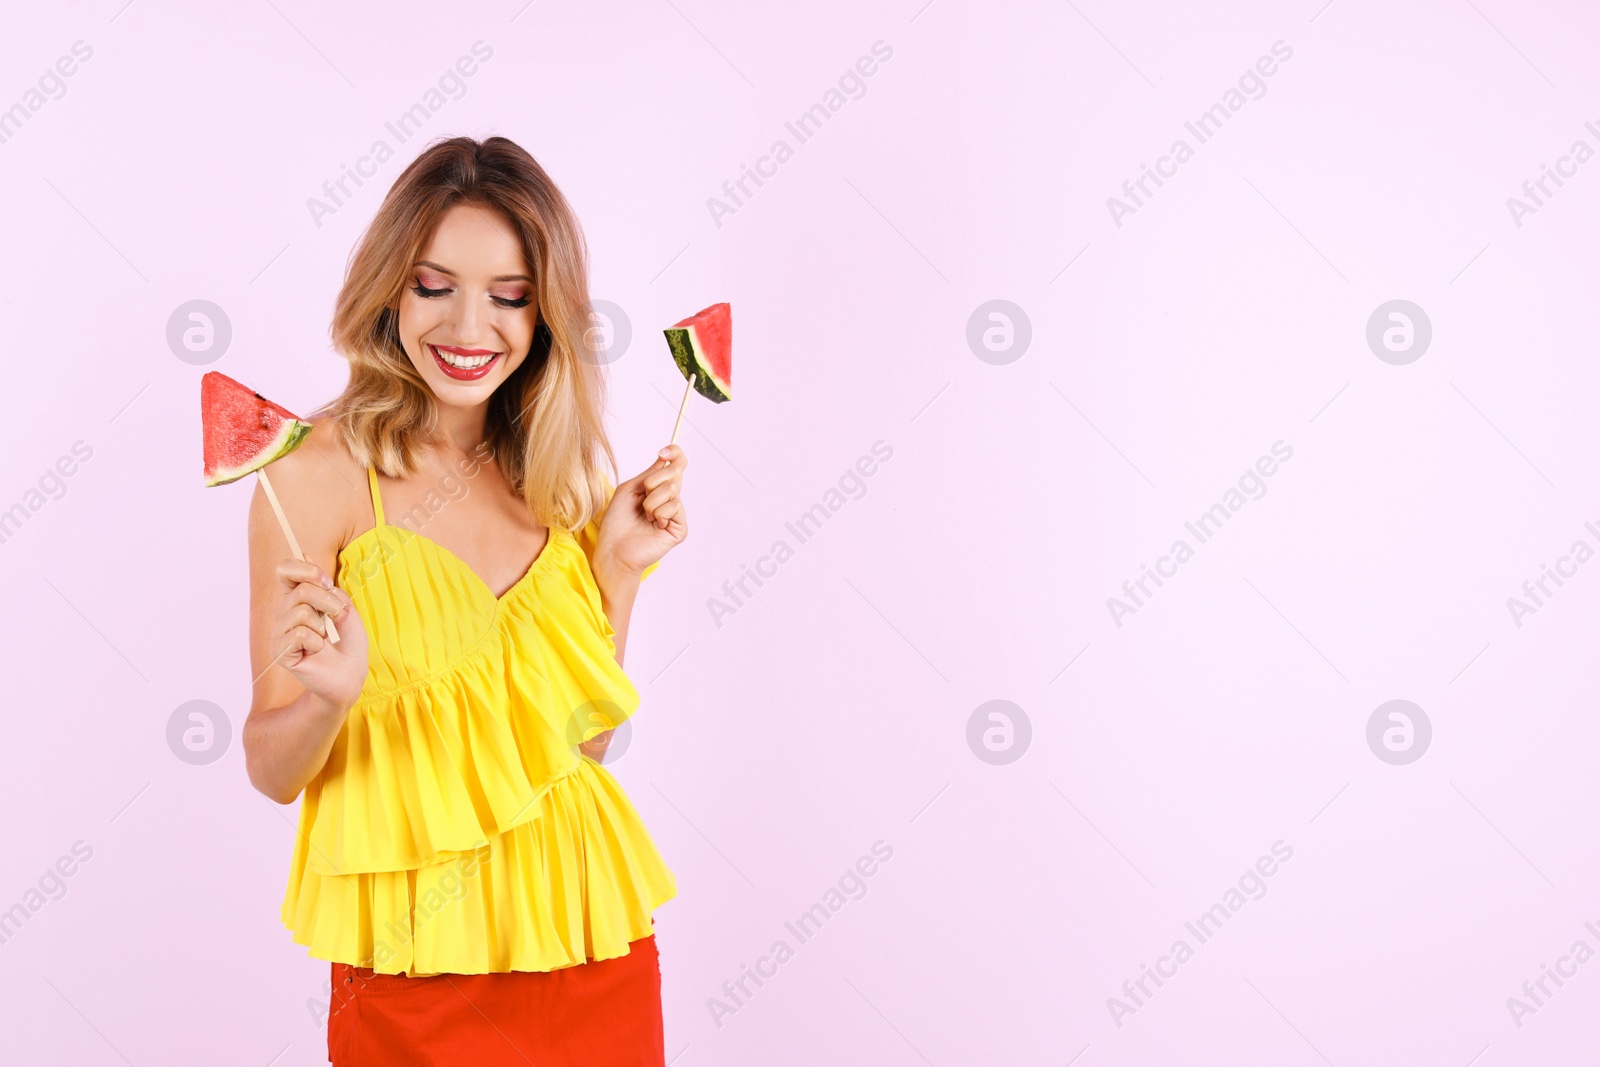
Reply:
x=332, y=673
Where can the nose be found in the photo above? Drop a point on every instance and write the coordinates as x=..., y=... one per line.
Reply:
x=467, y=321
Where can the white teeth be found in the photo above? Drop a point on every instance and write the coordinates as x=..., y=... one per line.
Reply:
x=462, y=362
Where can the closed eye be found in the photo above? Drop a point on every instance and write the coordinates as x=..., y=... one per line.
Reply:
x=505, y=302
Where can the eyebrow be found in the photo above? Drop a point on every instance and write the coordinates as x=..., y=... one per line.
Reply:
x=446, y=270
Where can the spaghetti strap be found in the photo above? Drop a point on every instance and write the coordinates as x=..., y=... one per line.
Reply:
x=377, y=500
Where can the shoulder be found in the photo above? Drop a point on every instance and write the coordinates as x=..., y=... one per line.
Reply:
x=323, y=490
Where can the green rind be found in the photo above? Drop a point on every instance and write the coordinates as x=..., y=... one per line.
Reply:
x=686, y=354
x=294, y=431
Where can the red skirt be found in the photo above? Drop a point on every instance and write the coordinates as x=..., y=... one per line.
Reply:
x=605, y=1013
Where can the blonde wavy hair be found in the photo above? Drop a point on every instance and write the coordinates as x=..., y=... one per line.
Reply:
x=550, y=408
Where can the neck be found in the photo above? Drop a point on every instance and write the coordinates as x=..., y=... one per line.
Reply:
x=461, y=430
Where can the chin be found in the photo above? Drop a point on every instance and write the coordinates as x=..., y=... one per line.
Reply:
x=463, y=394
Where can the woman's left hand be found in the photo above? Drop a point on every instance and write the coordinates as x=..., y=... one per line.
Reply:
x=646, y=517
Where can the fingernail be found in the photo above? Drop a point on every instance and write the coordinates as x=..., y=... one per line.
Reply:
x=665, y=453
x=327, y=583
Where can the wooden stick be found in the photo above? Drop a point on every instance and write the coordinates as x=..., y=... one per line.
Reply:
x=294, y=546
x=681, y=406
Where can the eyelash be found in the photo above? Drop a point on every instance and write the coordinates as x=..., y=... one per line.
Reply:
x=426, y=293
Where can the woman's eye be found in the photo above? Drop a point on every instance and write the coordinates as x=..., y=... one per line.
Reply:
x=504, y=301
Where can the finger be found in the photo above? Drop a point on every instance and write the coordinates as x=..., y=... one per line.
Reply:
x=293, y=647
x=667, y=512
x=346, y=605
x=665, y=474
x=288, y=653
x=658, y=496
x=304, y=639
x=291, y=572
x=348, y=619
x=663, y=463
x=648, y=473
x=304, y=615
x=675, y=455
x=324, y=600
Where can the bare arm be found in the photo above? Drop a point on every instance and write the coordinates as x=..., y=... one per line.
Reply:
x=644, y=519
x=618, y=590
x=287, y=737
x=304, y=686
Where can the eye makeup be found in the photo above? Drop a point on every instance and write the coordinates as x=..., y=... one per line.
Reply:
x=504, y=301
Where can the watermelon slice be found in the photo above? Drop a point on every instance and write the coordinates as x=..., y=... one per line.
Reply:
x=702, y=345
x=244, y=431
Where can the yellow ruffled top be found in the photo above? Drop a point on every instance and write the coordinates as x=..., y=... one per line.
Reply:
x=456, y=827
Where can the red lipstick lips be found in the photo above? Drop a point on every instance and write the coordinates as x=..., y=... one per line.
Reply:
x=469, y=365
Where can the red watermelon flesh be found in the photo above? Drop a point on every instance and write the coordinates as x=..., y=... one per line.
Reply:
x=702, y=345
x=244, y=431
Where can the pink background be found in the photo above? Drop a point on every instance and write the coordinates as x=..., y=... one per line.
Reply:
x=831, y=710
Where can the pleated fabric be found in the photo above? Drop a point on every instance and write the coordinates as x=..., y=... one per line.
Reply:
x=456, y=827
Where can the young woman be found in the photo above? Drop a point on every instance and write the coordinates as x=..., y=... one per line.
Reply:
x=481, y=884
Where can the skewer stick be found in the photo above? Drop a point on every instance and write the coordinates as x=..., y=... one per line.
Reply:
x=294, y=546
x=681, y=407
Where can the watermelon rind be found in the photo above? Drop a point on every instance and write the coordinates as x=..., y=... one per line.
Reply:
x=691, y=359
x=289, y=436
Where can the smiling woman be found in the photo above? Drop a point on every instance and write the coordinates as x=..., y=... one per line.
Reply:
x=428, y=284
x=461, y=851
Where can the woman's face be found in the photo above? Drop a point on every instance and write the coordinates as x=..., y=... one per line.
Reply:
x=468, y=313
